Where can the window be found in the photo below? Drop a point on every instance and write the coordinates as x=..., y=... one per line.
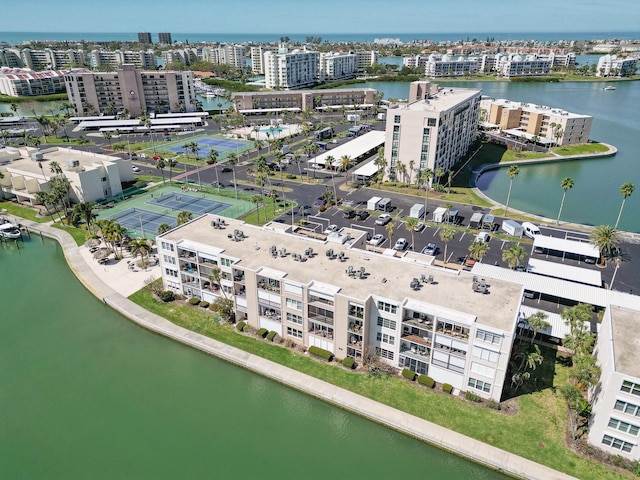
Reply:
x=226, y=262
x=293, y=318
x=384, y=322
x=171, y=273
x=295, y=304
x=485, y=354
x=630, y=387
x=624, y=426
x=383, y=337
x=396, y=119
x=381, y=352
x=617, y=443
x=628, y=408
x=169, y=259
x=479, y=385
x=431, y=122
x=387, y=307
x=167, y=246
x=292, y=332
x=489, y=337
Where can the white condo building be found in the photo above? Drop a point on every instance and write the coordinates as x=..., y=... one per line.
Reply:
x=445, y=66
x=365, y=58
x=257, y=58
x=134, y=90
x=290, y=70
x=10, y=57
x=336, y=295
x=613, y=66
x=435, y=129
x=514, y=65
x=615, y=418
x=52, y=59
x=92, y=176
x=337, y=66
x=229, y=54
x=144, y=60
x=20, y=82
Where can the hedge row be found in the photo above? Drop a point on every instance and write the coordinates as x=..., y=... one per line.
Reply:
x=263, y=332
x=349, y=362
x=204, y=304
x=271, y=335
x=409, y=374
x=321, y=352
x=242, y=326
x=194, y=301
x=472, y=397
x=426, y=381
x=446, y=388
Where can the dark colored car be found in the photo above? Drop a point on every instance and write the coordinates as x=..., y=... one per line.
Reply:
x=362, y=214
x=226, y=169
x=349, y=213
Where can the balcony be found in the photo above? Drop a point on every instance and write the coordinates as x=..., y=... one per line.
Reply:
x=451, y=330
x=355, y=327
x=414, y=339
x=454, y=351
x=269, y=287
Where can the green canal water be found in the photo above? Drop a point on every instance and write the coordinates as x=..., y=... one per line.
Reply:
x=86, y=394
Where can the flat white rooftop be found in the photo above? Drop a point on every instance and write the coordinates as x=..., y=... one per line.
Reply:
x=530, y=107
x=625, y=324
x=565, y=272
x=352, y=149
x=564, y=245
x=445, y=99
x=452, y=289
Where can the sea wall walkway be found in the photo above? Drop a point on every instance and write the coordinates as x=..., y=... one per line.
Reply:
x=454, y=442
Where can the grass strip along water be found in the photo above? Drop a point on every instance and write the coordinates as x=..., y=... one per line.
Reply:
x=537, y=431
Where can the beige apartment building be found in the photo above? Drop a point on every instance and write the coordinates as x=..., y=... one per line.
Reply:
x=333, y=293
x=546, y=125
x=303, y=100
x=134, y=90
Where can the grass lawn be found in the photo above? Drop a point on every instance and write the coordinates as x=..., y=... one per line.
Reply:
x=24, y=212
x=458, y=194
x=79, y=235
x=536, y=432
x=513, y=156
x=587, y=148
x=266, y=213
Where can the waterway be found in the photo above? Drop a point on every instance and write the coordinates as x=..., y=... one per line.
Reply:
x=595, y=198
x=88, y=394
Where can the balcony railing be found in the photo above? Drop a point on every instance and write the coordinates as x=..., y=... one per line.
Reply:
x=262, y=285
x=321, y=318
x=355, y=328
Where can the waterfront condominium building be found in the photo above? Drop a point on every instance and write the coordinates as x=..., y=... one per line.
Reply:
x=92, y=176
x=542, y=124
x=257, y=58
x=141, y=59
x=144, y=37
x=365, y=58
x=132, y=90
x=514, y=65
x=165, y=38
x=435, y=129
x=249, y=103
x=187, y=56
x=336, y=295
x=614, y=425
x=19, y=82
x=613, y=66
x=337, y=66
x=52, y=59
x=10, y=57
x=229, y=54
x=290, y=70
x=445, y=66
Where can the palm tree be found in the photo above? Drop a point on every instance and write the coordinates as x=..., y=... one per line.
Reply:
x=390, y=231
x=478, y=250
x=163, y=228
x=585, y=371
x=513, y=256
x=566, y=184
x=184, y=217
x=344, y=166
x=512, y=172
x=607, y=240
x=257, y=199
x=194, y=148
x=425, y=176
x=171, y=163
x=446, y=235
x=212, y=159
x=85, y=211
x=232, y=159
x=439, y=173
x=140, y=247
x=273, y=194
x=537, y=322
x=626, y=190
x=412, y=166
x=411, y=223
x=107, y=136
x=381, y=163
x=402, y=168
x=449, y=178
x=161, y=165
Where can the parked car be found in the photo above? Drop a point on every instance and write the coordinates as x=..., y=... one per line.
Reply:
x=430, y=249
x=469, y=261
x=362, y=214
x=135, y=168
x=383, y=219
x=376, y=240
x=419, y=227
x=320, y=202
x=483, y=237
x=226, y=169
x=401, y=244
x=331, y=229
x=349, y=213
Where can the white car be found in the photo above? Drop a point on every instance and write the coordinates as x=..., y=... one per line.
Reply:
x=331, y=229
x=383, y=219
x=135, y=168
x=401, y=244
x=376, y=240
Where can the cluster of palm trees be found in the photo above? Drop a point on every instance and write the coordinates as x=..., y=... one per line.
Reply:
x=57, y=198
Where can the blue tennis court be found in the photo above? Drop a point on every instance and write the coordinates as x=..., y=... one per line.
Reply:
x=196, y=205
x=205, y=145
x=142, y=222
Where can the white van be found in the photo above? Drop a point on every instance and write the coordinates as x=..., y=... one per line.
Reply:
x=530, y=230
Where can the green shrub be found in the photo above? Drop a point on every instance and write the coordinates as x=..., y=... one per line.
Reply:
x=263, y=332
x=204, y=304
x=472, y=397
x=241, y=326
x=409, y=374
x=446, y=388
x=427, y=381
x=493, y=404
x=321, y=352
x=291, y=176
x=349, y=362
x=167, y=296
x=194, y=301
x=271, y=335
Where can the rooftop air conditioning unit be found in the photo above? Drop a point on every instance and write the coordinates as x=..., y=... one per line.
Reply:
x=37, y=157
x=72, y=163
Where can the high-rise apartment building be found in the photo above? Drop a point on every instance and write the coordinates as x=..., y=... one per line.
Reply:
x=337, y=66
x=289, y=70
x=144, y=37
x=144, y=60
x=165, y=38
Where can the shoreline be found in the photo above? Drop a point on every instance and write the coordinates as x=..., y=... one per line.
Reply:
x=440, y=437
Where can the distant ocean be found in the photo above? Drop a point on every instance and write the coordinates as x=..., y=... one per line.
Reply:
x=15, y=38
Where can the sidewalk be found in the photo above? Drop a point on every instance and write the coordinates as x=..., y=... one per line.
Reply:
x=95, y=281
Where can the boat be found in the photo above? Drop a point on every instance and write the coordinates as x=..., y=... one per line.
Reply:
x=609, y=87
x=9, y=230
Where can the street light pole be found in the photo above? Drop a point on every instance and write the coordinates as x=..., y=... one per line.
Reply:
x=141, y=227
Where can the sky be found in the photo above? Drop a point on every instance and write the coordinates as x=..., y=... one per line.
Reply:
x=321, y=16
